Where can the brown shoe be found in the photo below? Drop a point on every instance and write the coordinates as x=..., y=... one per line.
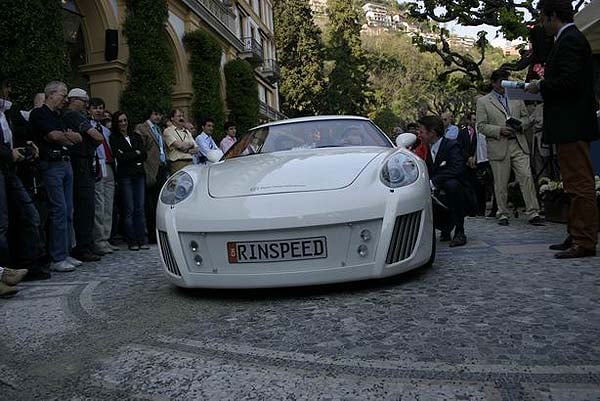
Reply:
x=13, y=277
x=575, y=251
x=563, y=246
x=6, y=290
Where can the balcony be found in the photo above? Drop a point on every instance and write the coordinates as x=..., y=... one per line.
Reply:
x=269, y=113
x=217, y=15
x=252, y=51
x=270, y=70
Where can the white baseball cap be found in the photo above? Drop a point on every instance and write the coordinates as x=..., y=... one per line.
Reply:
x=78, y=93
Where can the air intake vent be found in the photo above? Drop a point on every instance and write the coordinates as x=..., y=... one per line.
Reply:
x=168, y=254
x=404, y=237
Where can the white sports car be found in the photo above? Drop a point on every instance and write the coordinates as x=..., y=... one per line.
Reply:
x=298, y=202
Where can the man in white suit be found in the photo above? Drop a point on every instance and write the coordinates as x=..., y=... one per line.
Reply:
x=500, y=120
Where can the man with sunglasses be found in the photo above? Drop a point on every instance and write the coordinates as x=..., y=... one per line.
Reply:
x=84, y=175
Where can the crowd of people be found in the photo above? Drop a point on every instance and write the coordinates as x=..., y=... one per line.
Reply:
x=495, y=143
x=66, y=164
x=77, y=182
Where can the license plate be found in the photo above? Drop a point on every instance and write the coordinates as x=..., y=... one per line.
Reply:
x=277, y=251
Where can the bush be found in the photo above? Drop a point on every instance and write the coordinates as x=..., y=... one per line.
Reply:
x=32, y=47
x=151, y=71
x=205, y=64
x=242, y=94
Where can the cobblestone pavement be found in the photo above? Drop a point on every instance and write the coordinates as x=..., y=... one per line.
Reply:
x=499, y=319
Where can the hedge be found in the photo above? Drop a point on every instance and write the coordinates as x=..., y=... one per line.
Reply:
x=151, y=68
x=32, y=47
x=242, y=94
x=205, y=65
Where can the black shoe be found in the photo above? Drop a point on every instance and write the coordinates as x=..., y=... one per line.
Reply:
x=563, y=246
x=503, y=221
x=445, y=237
x=36, y=275
x=134, y=247
x=537, y=221
x=86, y=256
x=98, y=252
x=459, y=239
x=575, y=251
x=143, y=247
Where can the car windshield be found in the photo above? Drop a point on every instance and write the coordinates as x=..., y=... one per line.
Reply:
x=309, y=135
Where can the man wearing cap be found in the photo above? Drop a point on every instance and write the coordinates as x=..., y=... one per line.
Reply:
x=84, y=176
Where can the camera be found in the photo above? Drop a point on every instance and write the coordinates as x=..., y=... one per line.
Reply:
x=27, y=152
x=515, y=124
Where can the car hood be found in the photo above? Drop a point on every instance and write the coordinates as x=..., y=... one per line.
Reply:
x=290, y=171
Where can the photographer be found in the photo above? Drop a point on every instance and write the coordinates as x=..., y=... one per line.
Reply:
x=502, y=121
x=17, y=210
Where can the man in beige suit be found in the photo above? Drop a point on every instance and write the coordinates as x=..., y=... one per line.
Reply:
x=507, y=147
x=155, y=166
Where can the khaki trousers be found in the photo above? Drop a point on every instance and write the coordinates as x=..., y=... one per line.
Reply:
x=177, y=165
x=578, y=181
x=517, y=161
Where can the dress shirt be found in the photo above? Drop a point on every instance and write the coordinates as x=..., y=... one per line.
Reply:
x=451, y=132
x=503, y=101
x=562, y=29
x=205, y=144
x=5, y=105
x=481, y=149
x=227, y=142
x=158, y=136
x=173, y=134
x=434, y=149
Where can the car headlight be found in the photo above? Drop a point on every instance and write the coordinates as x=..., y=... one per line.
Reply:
x=399, y=170
x=177, y=188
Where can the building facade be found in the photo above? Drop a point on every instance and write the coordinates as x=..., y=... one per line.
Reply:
x=244, y=28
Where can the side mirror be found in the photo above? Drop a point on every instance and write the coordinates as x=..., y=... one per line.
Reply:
x=405, y=140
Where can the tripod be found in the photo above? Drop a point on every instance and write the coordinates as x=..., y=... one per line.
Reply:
x=550, y=161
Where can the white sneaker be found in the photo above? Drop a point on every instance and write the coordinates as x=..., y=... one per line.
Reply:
x=62, y=267
x=72, y=261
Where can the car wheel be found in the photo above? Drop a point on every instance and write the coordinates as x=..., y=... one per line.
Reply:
x=432, y=257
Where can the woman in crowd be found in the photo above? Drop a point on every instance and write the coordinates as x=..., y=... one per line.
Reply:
x=128, y=150
x=180, y=142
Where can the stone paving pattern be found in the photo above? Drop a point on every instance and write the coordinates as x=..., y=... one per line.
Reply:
x=499, y=319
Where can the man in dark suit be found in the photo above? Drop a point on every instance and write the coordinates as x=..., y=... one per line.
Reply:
x=570, y=122
x=446, y=167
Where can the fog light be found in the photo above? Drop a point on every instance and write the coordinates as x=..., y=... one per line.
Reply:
x=365, y=235
x=198, y=260
x=362, y=250
x=194, y=246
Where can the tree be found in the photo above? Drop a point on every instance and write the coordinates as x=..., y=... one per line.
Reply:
x=33, y=50
x=348, y=88
x=151, y=68
x=512, y=17
x=301, y=55
x=205, y=65
x=242, y=94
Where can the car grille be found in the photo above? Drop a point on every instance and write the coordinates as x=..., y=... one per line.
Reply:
x=404, y=237
x=167, y=254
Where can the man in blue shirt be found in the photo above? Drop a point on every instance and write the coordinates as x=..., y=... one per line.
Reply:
x=205, y=142
x=450, y=130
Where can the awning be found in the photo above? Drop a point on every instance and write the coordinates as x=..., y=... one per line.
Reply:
x=588, y=22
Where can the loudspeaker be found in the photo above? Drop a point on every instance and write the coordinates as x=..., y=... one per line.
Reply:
x=111, y=46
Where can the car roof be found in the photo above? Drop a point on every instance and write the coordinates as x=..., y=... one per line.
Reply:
x=311, y=118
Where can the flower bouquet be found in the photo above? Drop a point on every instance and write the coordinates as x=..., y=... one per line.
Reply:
x=556, y=202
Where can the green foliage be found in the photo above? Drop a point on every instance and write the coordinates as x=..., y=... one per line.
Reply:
x=242, y=94
x=301, y=55
x=348, y=89
x=205, y=64
x=151, y=68
x=385, y=119
x=32, y=47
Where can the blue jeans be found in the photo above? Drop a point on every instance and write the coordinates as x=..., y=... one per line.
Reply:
x=58, y=179
x=132, y=197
